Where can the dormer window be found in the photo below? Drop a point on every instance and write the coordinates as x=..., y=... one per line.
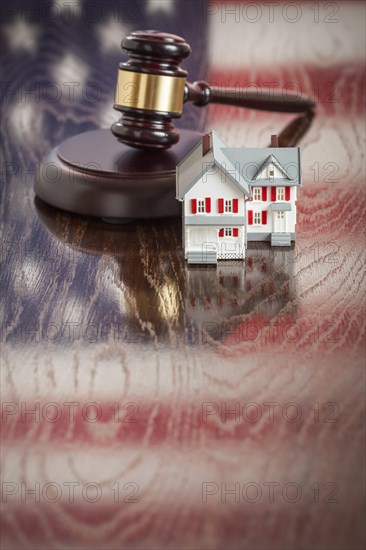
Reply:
x=271, y=171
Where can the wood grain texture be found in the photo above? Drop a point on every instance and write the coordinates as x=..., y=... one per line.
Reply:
x=132, y=360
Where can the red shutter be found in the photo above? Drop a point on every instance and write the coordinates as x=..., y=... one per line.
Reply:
x=221, y=206
x=235, y=232
x=194, y=206
x=235, y=206
x=287, y=193
x=264, y=193
x=208, y=204
x=250, y=217
x=221, y=232
x=273, y=194
x=264, y=217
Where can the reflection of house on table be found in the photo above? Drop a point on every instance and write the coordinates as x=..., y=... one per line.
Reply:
x=232, y=195
x=231, y=299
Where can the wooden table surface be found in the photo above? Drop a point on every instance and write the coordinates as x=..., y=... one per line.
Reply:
x=180, y=407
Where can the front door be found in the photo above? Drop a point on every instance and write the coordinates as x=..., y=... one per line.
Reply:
x=279, y=222
x=201, y=238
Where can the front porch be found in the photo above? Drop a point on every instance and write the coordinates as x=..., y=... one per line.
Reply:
x=209, y=244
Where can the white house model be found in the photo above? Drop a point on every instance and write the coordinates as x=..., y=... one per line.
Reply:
x=213, y=194
x=231, y=195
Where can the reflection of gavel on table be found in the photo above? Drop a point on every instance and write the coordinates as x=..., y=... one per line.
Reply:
x=133, y=176
x=152, y=88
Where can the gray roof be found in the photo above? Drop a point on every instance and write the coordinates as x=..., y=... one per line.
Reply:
x=222, y=160
x=243, y=166
x=250, y=163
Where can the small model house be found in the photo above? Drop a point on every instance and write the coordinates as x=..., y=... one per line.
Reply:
x=213, y=193
x=274, y=174
x=231, y=195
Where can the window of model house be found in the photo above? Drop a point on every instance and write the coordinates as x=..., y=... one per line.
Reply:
x=228, y=206
x=257, y=218
x=257, y=193
x=280, y=193
x=201, y=206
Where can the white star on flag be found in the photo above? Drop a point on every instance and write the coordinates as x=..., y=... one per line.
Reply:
x=74, y=7
x=21, y=35
x=166, y=6
x=110, y=34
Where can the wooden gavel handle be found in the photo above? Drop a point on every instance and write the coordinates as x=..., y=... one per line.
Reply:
x=264, y=99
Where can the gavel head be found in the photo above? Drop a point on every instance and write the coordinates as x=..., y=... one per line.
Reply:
x=150, y=89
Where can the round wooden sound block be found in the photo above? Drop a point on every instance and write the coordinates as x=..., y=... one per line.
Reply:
x=96, y=175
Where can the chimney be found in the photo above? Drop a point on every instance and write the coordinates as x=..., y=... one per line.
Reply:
x=274, y=141
x=206, y=144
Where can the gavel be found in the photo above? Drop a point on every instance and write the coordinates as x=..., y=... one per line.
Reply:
x=152, y=88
